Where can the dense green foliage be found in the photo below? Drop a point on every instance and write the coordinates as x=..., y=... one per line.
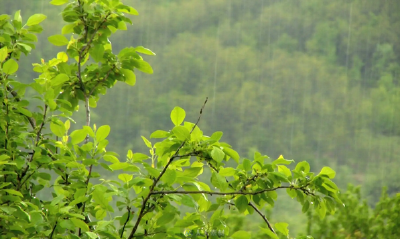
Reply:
x=50, y=182
x=358, y=219
x=316, y=80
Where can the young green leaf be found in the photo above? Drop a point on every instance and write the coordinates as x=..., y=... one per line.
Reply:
x=181, y=132
x=217, y=154
x=59, y=2
x=241, y=235
x=282, y=228
x=130, y=77
x=165, y=218
x=58, y=128
x=78, y=136
x=241, y=203
x=35, y=19
x=144, y=51
x=58, y=40
x=328, y=172
x=102, y=132
x=125, y=177
x=3, y=53
x=10, y=67
x=178, y=115
x=80, y=224
x=232, y=153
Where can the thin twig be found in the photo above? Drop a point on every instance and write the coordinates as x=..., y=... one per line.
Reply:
x=142, y=209
x=52, y=231
x=127, y=219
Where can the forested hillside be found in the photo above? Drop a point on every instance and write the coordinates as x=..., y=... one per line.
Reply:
x=313, y=80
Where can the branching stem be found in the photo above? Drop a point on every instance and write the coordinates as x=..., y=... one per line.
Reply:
x=142, y=209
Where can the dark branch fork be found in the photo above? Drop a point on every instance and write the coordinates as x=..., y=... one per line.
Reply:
x=176, y=155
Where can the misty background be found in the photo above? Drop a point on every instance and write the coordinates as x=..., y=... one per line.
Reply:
x=313, y=80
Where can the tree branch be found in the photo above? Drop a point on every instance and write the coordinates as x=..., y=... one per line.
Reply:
x=226, y=193
x=142, y=209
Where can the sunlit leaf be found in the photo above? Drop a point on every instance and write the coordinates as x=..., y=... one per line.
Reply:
x=10, y=67
x=80, y=224
x=178, y=115
x=328, y=172
x=35, y=19
x=217, y=154
x=58, y=40
x=282, y=228
x=102, y=132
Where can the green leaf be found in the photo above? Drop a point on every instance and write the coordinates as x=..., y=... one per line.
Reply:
x=17, y=20
x=24, y=111
x=269, y=233
x=69, y=28
x=79, y=223
x=218, y=181
x=101, y=214
x=192, y=172
x=35, y=19
x=181, y=132
x=124, y=166
x=144, y=51
x=111, y=158
x=169, y=176
x=280, y=176
x=3, y=53
x=306, y=206
x=241, y=234
x=216, y=135
x=159, y=134
x=241, y=203
x=100, y=197
x=127, y=9
x=92, y=234
x=281, y=160
x=13, y=192
x=283, y=169
x=303, y=166
x=225, y=172
x=165, y=218
x=10, y=67
x=143, y=66
x=59, y=79
x=58, y=128
x=247, y=165
x=97, y=52
x=59, y=2
x=130, y=77
x=328, y=172
x=125, y=177
x=102, y=132
x=78, y=136
x=217, y=154
x=58, y=40
x=232, y=153
x=178, y=115
x=282, y=228
x=4, y=157
x=147, y=142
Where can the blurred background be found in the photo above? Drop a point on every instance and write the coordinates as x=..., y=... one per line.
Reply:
x=314, y=80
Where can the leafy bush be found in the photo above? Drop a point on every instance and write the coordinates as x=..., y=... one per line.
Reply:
x=49, y=186
x=358, y=220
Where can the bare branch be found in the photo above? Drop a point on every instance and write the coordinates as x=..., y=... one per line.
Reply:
x=227, y=193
